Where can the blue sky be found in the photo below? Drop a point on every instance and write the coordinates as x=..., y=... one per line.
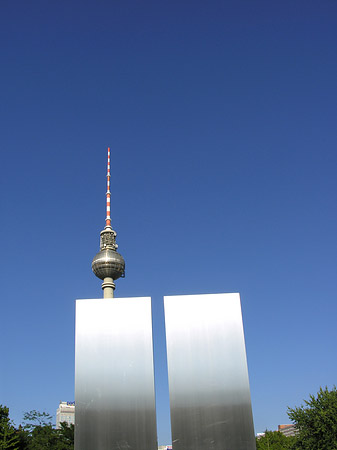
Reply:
x=221, y=117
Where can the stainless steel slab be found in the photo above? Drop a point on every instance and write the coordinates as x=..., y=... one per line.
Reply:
x=208, y=377
x=114, y=379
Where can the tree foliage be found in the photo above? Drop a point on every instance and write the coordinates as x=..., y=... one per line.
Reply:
x=66, y=437
x=316, y=421
x=33, y=419
x=23, y=438
x=43, y=437
x=36, y=434
x=274, y=440
x=46, y=437
x=8, y=434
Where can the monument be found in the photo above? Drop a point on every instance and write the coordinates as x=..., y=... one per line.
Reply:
x=114, y=377
x=207, y=372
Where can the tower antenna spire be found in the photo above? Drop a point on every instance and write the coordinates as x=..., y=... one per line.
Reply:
x=108, y=195
x=108, y=265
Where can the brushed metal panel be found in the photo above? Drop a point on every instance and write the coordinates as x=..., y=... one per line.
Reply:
x=208, y=376
x=114, y=378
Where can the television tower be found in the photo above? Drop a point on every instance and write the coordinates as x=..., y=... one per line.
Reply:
x=108, y=264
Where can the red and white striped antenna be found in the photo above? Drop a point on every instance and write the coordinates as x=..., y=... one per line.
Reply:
x=108, y=195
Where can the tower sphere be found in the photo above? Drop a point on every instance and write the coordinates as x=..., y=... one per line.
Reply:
x=108, y=263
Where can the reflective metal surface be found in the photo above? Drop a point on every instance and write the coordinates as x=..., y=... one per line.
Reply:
x=208, y=377
x=108, y=263
x=114, y=380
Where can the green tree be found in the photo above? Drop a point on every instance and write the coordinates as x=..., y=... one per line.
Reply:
x=33, y=419
x=274, y=440
x=40, y=432
x=23, y=438
x=43, y=437
x=8, y=434
x=40, y=435
x=316, y=421
x=65, y=437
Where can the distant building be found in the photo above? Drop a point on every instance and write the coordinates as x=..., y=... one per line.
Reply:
x=260, y=435
x=287, y=430
x=65, y=413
